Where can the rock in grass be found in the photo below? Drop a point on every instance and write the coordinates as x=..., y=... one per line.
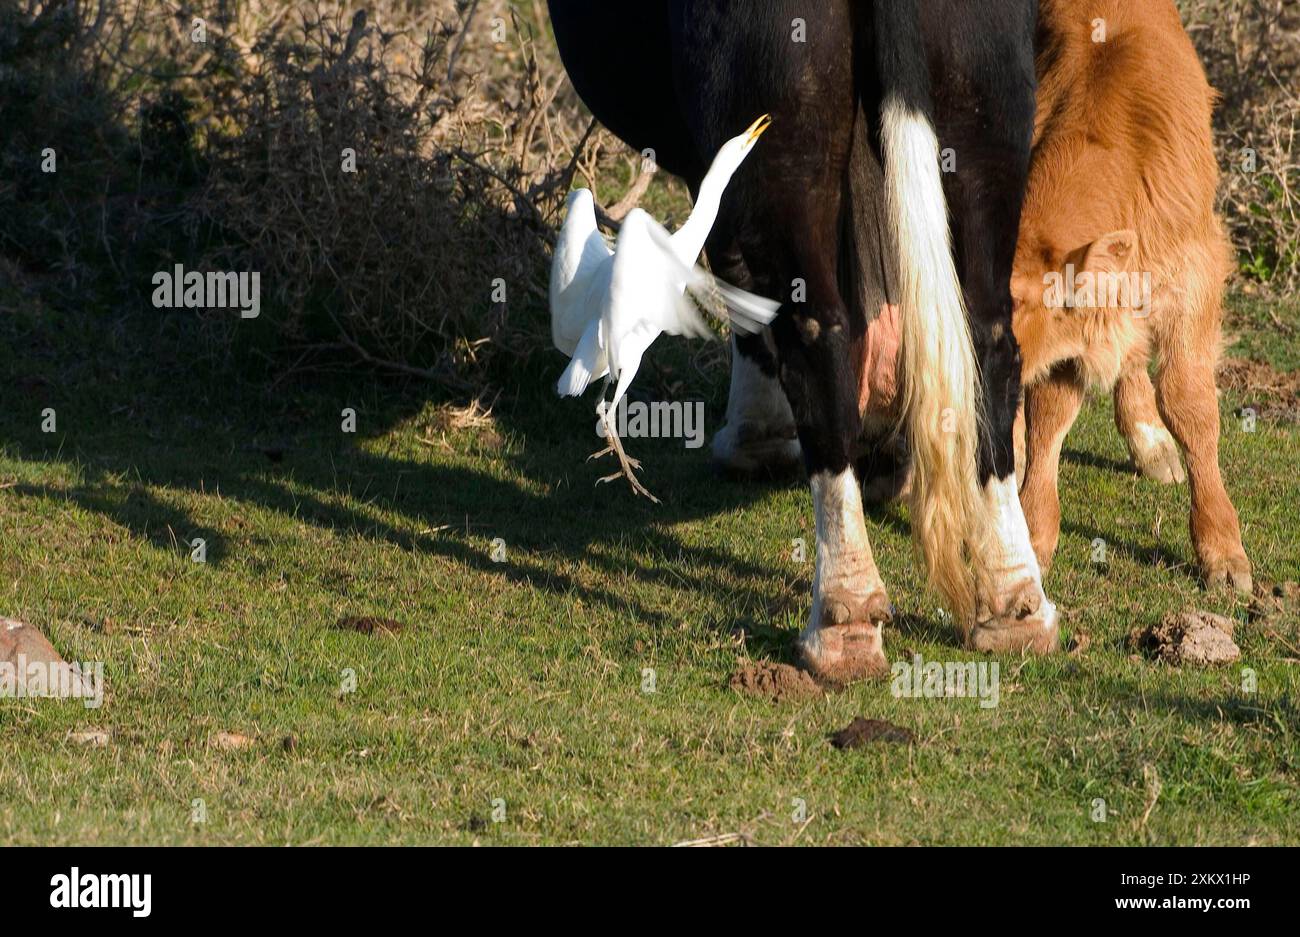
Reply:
x=368, y=624
x=22, y=646
x=862, y=732
x=1197, y=638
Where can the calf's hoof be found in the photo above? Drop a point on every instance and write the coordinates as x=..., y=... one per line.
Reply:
x=753, y=450
x=1231, y=571
x=1156, y=457
x=847, y=645
x=1027, y=621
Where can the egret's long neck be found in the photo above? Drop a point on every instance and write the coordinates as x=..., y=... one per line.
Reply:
x=690, y=237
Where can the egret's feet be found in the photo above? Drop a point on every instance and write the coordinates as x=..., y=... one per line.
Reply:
x=1156, y=455
x=844, y=643
x=757, y=450
x=1022, y=619
x=627, y=466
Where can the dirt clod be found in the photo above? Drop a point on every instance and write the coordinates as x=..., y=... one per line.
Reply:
x=368, y=624
x=1080, y=641
x=777, y=682
x=1199, y=638
x=232, y=741
x=862, y=732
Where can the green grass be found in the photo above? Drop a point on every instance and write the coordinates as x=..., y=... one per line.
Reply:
x=522, y=680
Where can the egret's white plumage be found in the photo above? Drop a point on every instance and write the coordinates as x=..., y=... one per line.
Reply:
x=608, y=305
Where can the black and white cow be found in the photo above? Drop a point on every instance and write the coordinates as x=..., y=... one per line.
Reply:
x=812, y=220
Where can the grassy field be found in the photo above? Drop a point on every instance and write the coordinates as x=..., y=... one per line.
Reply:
x=511, y=709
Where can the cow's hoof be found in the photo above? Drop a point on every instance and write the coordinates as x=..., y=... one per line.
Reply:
x=1232, y=571
x=1157, y=458
x=1028, y=622
x=752, y=450
x=848, y=646
x=888, y=487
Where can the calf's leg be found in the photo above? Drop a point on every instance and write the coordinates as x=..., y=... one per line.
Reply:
x=1188, y=401
x=1154, y=451
x=1051, y=407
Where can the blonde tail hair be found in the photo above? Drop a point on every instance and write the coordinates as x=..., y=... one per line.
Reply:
x=941, y=390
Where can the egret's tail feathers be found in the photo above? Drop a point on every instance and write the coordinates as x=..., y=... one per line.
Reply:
x=747, y=311
x=589, y=363
x=940, y=375
x=575, y=380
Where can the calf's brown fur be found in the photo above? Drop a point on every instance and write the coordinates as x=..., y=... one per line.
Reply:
x=1123, y=182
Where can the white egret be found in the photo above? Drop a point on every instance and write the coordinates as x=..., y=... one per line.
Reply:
x=609, y=305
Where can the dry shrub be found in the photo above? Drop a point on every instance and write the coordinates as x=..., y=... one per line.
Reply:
x=233, y=154
x=435, y=248
x=1251, y=50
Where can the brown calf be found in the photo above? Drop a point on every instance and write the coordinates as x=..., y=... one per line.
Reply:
x=1121, y=256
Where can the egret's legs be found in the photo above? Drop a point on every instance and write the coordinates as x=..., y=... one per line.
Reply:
x=627, y=465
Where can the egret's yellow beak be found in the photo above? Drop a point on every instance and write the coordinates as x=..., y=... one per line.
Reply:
x=757, y=128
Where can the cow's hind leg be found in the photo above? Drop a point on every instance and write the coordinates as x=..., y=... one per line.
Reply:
x=985, y=112
x=784, y=209
x=843, y=640
x=814, y=338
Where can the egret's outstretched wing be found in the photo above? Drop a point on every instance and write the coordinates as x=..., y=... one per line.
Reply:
x=648, y=284
x=581, y=256
x=747, y=311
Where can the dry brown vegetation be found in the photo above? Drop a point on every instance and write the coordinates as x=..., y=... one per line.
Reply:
x=1251, y=50
x=231, y=153
x=229, y=144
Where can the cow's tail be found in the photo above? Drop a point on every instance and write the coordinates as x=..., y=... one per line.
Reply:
x=941, y=395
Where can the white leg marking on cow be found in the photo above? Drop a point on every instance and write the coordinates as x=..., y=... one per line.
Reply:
x=1016, y=566
x=841, y=537
x=843, y=639
x=760, y=430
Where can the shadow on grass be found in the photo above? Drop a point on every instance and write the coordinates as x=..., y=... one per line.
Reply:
x=130, y=427
x=195, y=431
